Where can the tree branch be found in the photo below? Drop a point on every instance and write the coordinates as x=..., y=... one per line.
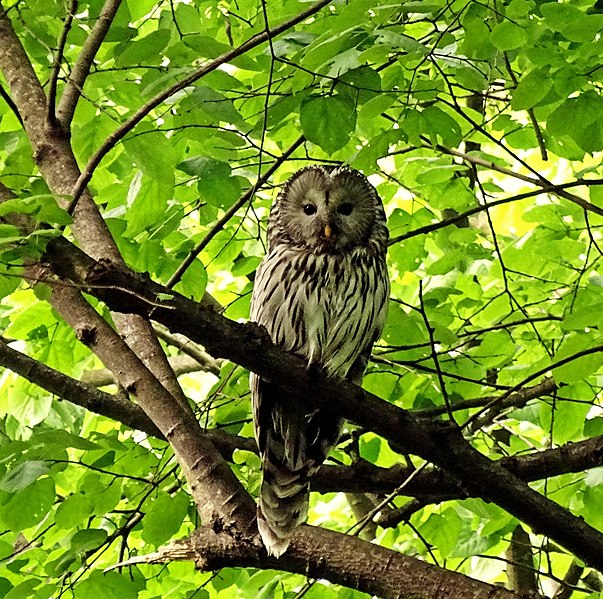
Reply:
x=58, y=59
x=76, y=392
x=144, y=110
x=438, y=485
x=56, y=161
x=81, y=68
x=203, y=360
x=250, y=347
x=321, y=553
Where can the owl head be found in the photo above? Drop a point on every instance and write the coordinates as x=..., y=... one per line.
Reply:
x=327, y=210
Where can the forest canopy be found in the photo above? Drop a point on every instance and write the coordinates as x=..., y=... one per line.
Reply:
x=142, y=143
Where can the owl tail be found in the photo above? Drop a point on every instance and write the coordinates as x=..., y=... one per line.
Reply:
x=283, y=505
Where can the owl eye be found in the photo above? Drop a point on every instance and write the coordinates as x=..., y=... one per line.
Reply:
x=309, y=209
x=345, y=208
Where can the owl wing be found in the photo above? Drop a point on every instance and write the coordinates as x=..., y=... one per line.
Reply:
x=293, y=437
x=329, y=311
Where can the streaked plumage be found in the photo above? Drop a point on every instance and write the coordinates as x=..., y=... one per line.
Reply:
x=321, y=292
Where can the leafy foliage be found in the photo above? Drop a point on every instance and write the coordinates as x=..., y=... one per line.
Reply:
x=479, y=124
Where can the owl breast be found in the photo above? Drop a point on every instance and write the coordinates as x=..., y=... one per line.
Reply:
x=323, y=307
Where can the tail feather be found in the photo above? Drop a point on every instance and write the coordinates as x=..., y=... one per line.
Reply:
x=294, y=440
x=281, y=509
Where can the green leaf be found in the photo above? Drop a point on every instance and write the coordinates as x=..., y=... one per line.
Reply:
x=559, y=15
x=508, y=36
x=440, y=124
x=216, y=185
x=579, y=118
x=153, y=154
x=109, y=585
x=369, y=447
x=43, y=208
x=361, y=84
x=519, y=8
x=29, y=408
x=62, y=438
x=216, y=105
x=29, y=506
x=140, y=8
x=163, y=520
x=23, y=475
x=531, y=89
x=87, y=540
x=205, y=167
x=146, y=50
x=580, y=368
x=73, y=512
x=147, y=204
x=328, y=121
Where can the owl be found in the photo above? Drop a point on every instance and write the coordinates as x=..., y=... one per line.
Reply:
x=321, y=292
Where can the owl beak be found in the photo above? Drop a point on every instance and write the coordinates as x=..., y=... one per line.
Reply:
x=328, y=232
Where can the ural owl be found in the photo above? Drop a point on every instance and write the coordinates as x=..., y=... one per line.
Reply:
x=321, y=292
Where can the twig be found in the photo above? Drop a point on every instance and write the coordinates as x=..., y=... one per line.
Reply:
x=517, y=400
x=516, y=198
x=530, y=111
x=9, y=101
x=184, y=344
x=81, y=68
x=474, y=421
x=228, y=214
x=144, y=110
x=434, y=353
x=181, y=364
x=58, y=59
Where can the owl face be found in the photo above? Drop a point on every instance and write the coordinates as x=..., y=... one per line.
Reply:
x=327, y=210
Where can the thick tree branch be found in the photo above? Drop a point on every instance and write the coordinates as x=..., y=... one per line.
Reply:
x=247, y=345
x=55, y=159
x=81, y=68
x=216, y=491
x=434, y=485
x=321, y=553
x=439, y=486
x=76, y=392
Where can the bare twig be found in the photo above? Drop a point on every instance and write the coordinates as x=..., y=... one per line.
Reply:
x=434, y=353
x=530, y=111
x=516, y=400
x=228, y=214
x=81, y=68
x=9, y=101
x=516, y=198
x=58, y=60
x=473, y=422
x=102, y=377
x=198, y=354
